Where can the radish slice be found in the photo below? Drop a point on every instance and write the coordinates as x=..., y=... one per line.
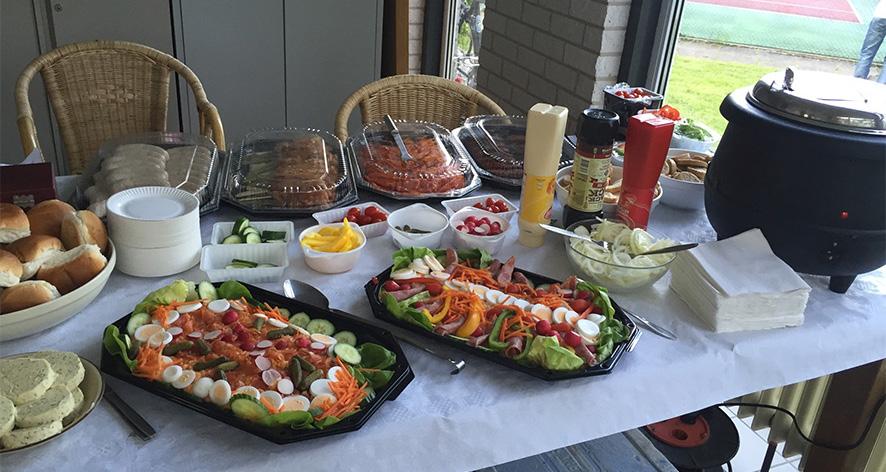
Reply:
x=187, y=378
x=144, y=332
x=195, y=334
x=322, y=338
x=172, y=316
x=264, y=344
x=175, y=331
x=262, y=362
x=317, y=346
x=270, y=377
x=219, y=306
x=320, y=386
x=212, y=335
x=261, y=315
x=273, y=398
x=285, y=386
x=296, y=403
x=256, y=353
x=166, y=360
x=172, y=373
x=190, y=307
x=277, y=323
x=596, y=318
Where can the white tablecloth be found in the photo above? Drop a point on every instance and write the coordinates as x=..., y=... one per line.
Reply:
x=488, y=414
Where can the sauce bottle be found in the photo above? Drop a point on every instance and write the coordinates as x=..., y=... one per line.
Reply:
x=545, y=126
x=595, y=134
x=646, y=148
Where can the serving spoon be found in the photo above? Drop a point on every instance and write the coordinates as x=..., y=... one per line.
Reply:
x=302, y=291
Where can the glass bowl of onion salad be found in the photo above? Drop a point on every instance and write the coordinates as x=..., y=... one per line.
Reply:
x=617, y=265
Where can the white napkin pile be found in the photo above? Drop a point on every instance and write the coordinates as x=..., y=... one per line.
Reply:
x=739, y=284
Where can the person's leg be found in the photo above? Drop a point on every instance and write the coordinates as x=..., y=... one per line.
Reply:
x=881, y=25
x=869, y=47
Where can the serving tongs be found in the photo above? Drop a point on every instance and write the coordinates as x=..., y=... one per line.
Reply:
x=395, y=132
x=310, y=294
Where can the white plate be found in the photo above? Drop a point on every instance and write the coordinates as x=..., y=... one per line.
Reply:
x=159, y=262
x=93, y=388
x=336, y=215
x=152, y=203
x=44, y=316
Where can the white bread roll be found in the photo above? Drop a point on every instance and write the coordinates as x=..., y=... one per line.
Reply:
x=10, y=269
x=71, y=269
x=46, y=217
x=14, y=224
x=27, y=294
x=33, y=250
x=84, y=227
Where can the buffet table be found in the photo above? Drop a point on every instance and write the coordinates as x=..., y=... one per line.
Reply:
x=487, y=414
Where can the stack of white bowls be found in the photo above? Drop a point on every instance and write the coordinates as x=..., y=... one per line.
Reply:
x=156, y=230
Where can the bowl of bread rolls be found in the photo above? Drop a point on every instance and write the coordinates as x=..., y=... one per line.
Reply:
x=682, y=177
x=54, y=261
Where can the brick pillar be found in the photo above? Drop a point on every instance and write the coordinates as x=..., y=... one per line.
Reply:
x=555, y=51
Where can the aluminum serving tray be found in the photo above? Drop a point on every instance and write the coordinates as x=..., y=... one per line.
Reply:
x=348, y=197
x=461, y=134
x=403, y=375
x=380, y=312
x=456, y=151
x=209, y=195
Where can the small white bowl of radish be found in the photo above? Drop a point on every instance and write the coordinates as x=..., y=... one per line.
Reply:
x=475, y=228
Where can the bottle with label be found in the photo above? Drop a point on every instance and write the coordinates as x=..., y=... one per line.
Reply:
x=545, y=125
x=590, y=169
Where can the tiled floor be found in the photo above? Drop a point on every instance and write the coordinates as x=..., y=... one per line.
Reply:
x=752, y=448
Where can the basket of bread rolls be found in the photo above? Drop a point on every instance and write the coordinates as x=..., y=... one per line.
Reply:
x=54, y=260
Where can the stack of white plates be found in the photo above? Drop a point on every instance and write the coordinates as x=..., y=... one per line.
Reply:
x=156, y=230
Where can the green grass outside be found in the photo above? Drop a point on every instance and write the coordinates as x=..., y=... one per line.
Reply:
x=697, y=86
x=780, y=31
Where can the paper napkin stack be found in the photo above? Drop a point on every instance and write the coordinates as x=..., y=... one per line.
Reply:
x=739, y=284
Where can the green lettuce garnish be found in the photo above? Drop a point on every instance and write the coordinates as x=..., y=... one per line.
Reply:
x=175, y=292
x=403, y=311
x=547, y=352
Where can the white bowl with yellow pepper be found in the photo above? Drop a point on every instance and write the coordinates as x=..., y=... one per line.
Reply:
x=332, y=248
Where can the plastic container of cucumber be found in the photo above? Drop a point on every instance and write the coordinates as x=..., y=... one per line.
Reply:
x=219, y=262
x=222, y=230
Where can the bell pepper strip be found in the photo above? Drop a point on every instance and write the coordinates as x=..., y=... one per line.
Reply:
x=496, y=341
x=438, y=317
x=475, y=315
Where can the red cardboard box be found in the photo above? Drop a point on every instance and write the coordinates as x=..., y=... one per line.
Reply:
x=26, y=185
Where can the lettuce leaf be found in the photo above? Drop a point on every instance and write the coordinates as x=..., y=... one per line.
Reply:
x=115, y=345
x=547, y=352
x=404, y=256
x=612, y=332
x=233, y=290
x=601, y=297
x=177, y=291
x=403, y=311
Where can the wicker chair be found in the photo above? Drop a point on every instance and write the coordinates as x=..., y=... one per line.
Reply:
x=104, y=89
x=415, y=97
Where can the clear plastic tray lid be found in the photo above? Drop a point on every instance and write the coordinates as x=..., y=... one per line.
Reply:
x=289, y=168
x=185, y=161
x=433, y=167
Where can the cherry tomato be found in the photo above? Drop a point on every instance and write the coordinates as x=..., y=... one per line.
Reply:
x=353, y=213
x=478, y=205
x=582, y=294
x=281, y=344
x=391, y=286
x=543, y=327
x=579, y=304
x=247, y=346
x=561, y=327
x=434, y=289
x=364, y=220
x=572, y=339
x=229, y=317
x=405, y=286
x=477, y=332
x=302, y=342
x=370, y=211
x=541, y=292
x=381, y=217
x=228, y=337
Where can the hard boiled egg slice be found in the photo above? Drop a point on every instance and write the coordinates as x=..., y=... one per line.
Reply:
x=587, y=329
x=523, y=304
x=478, y=290
x=296, y=403
x=172, y=373
x=285, y=387
x=322, y=338
x=144, y=332
x=402, y=274
x=331, y=374
x=419, y=266
x=273, y=398
x=320, y=386
x=159, y=338
x=559, y=314
x=322, y=399
x=187, y=378
x=248, y=390
x=493, y=296
x=541, y=312
x=572, y=317
x=596, y=318
x=439, y=275
x=220, y=392
x=201, y=387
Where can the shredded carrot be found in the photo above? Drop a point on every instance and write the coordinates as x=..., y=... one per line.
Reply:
x=268, y=405
x=149, y=362
x=468, y=274
x=347, y=391
x=550, y=300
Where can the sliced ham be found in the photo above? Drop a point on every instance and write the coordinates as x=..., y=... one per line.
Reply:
x=451, y=327
x=570, y=282
x=451, y=256
x=507, y=270
x=401, y=295
x=434, y=307
x=521, y=279
x=476, y=341
x=494, y=267
x=582, y=351
x=515, y=347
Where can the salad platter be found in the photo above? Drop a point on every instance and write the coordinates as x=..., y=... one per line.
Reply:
x=278, y=368
x=543, y=327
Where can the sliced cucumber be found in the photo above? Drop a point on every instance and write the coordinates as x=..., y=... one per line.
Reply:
x=300, y=319
x=241, y=224
x=232, y=239
x=346, y=337
x=293, y=419
x=263, y=265
x=320, y=326
x=249, y=230
x=244, y=263
x=273, y=235
x=348, y=353
x=207, y=291
x=285, y=312
x=136, y=321
x=247, y=407
x=253, y=238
